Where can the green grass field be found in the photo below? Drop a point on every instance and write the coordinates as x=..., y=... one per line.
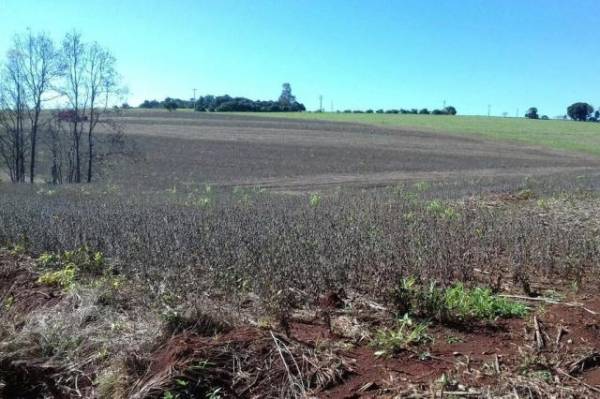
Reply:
x=555, y=134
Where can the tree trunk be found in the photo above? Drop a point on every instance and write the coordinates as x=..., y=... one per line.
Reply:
x=34, y=129
x=90, y=145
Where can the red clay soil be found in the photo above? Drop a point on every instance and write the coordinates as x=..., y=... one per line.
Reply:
x=476, y=345
x=18, y=284
x=250, y=349
x=373, y=373
x=184, y=345
x=421, y=367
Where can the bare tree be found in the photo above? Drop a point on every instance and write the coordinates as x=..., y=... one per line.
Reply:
x=74, y=60
x=102, y=85
x=37, y=61
x=82, y=75
x=90, y=84
x=57, y=140
x=12, y=118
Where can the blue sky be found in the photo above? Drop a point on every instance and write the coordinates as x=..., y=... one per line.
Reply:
x=359, y=54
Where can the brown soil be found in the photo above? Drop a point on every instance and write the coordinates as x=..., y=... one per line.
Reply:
x=294, y=156
x=20, y=292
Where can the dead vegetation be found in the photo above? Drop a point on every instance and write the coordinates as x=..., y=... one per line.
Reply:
x=74, y=348
x=388, y=293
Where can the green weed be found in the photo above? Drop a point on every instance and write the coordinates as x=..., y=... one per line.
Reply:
x=455, y=303
x=480, y=303
x=314, y=200
x=64, y=278
x=408, y=333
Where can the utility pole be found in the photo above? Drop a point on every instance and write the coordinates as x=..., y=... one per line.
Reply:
x=195, y=95
x=489, y=109
x=517, y=114
x=444, y=103
x=331, y=106
x=320, y=103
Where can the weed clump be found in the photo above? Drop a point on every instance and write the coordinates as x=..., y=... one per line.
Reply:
x=480, y=304
x=407, y=333
x=455, y=303
x=63, y=269
x=64, y=278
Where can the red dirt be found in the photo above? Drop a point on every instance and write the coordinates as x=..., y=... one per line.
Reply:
x=480, y=345
x=185, y=344
x=19, y=283
x=309, y=333
x=373, y=373
x=409, y=369
x=592, y=377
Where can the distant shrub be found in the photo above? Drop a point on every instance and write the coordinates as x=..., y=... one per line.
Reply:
x=347, y=111
x=170, y=104
x=358, y=111
x=379, y=111
x=445, y=111
x=545, y=117
x=369, y=111
x=532, y=113
x=391, y=111
x=150, y=104
x=424, y=111
x=450, y=110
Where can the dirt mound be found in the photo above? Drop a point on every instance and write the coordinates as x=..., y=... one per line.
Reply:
x=246, y=362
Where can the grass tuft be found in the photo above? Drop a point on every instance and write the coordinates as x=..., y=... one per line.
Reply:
x=407, y=333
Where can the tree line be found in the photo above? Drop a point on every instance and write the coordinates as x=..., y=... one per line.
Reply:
x=579, y=111
x=56, y=95
x=286, y=103
x=449, y=110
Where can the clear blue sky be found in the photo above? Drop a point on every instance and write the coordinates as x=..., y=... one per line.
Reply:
x=360, y=54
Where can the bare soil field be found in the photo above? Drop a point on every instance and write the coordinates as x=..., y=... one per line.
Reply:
x=290, y=155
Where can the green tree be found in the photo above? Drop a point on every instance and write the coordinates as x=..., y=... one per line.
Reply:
x=532, y=113
x=170, y=104
x=286, y=98
x=450, y=110
x=580, y=111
